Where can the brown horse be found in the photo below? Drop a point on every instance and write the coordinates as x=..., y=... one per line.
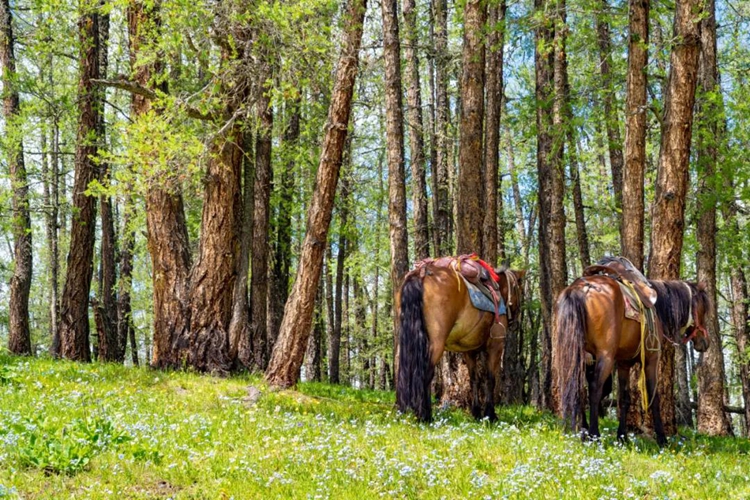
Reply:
x=436, y=314
x=590, y=318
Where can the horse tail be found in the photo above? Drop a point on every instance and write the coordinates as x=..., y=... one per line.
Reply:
x=571, y=361
x=415, y=367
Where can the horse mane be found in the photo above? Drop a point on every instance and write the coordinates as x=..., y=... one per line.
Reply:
x=673, y=303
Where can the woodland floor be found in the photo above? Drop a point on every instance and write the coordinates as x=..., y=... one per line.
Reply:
x=104, y=431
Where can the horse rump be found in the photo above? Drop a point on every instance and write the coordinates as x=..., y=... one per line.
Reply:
x=571, y=360
x=415, y=367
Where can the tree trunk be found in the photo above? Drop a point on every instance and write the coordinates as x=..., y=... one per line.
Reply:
x=289, y=351
x=53, y=239
x=74, y=319
x=239, y=328
x=330, y=308
x=283, y=246
x=416, y=131
x=711, y=417
x=166, y=230
x=575, y=179
x=262, y=340
x=494, y=93
x=635, y=134
x=213, y=275
x=109, y=343
x=741, y=331
x=19, y=335
x=334, y=360
x=683, y=405
x=672, y=178
x=442, y=205
x=551, y=189
x=614, y=142
x=470, y=189
x=313, y=356
x=394, y=134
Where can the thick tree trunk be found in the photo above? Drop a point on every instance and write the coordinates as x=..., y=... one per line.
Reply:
x=109, y=342
x=262, y=340
x=19, y=335
x=394, y=133
x=289, y=351
x=672, y=178
x=711, y=416
x=614, y=141
x=551, y=190
x=74, y=319
x=494, y=92
x=470, y=189
x=334, y=360
x=635, y=135
x=443, y=211
x=416, y=131
x=166, y=230
x=213, y=275
x=239, y=328
x=283, y=245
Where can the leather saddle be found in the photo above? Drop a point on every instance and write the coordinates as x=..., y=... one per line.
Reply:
x=620, y=268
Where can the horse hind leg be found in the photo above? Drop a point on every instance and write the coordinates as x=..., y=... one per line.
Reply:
x=602, y=370
x=495, y=350
x=623, y=378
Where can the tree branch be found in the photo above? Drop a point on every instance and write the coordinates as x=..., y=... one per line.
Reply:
x=138, y=89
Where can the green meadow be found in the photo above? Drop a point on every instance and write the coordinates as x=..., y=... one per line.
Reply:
x=105, y=431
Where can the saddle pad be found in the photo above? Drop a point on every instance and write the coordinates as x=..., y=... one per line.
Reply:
x=481, y=301
x=631, y=304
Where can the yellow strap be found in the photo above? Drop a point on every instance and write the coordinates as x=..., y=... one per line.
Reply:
x=642, y=379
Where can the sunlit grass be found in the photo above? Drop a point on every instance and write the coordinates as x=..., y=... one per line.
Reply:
x=105, y=431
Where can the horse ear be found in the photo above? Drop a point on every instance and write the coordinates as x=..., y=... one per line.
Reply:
x=701, y=286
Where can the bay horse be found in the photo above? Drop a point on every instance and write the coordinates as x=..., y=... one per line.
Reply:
x=436, y=314
x=590, y=318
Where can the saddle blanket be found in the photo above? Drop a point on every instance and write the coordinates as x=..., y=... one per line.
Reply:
x=482, y=301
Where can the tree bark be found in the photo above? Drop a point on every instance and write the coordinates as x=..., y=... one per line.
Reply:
x=330, y=308
x=633, y=207
x=239, y=328
x=283, y=245
x=711, y=417
x=741, y=332
x=416, y=131
x=74, y=319
x=672, y=177
x=334, y=360
x=109, y=342
x=166, y=230
x=494, y=93
x=614, y=141
x=19, y=335
x=395, y=156
x=262, y=339
x=443, y=211
x=53, y=224
x=470, y=190
x=289, y=351
x=213, y=275
x=582, y=234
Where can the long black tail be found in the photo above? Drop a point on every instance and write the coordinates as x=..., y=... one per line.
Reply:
x=415, y=367
x=571, y=361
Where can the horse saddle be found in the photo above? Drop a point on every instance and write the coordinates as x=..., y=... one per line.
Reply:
x=481, y=281
x=620, y=268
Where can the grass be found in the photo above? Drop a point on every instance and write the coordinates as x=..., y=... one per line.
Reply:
x=103, y=431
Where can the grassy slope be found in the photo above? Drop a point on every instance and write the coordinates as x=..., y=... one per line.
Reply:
x=69, y=430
